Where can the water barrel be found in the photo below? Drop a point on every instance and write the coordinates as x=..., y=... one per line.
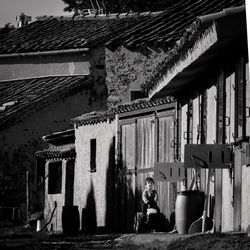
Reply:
x=189, y=207
x=70, y=219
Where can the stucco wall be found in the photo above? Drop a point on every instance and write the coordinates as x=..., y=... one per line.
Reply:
x=93, y=191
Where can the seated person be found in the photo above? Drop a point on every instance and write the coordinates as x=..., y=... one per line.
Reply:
x=149, y=197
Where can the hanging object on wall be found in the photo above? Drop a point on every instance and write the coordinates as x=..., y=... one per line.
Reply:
x=208, y=156
x=169, y=171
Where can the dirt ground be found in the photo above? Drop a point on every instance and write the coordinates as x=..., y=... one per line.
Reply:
x=213, y=241
x=190, y=242
x=21, y=237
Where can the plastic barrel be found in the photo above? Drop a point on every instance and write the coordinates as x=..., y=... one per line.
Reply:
x=189, y=207
x=70, y=219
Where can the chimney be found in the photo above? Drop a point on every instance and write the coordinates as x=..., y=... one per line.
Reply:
x=22, y=20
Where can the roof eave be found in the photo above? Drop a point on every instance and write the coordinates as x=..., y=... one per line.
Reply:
x=212, y=42
x=207, y=40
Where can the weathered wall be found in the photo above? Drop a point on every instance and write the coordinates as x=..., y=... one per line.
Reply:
x=211, y=129
x=93, y=190
x=227, y=212
x=56, y=222
x=20, y=142
x=64, y=64
x=245, y=197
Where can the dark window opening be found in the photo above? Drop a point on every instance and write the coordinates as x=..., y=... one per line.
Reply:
x=40, y=172
x=93, y=155
x=55, y=178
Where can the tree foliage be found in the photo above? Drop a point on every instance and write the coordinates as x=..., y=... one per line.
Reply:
x=116, y=6
x=6, y=29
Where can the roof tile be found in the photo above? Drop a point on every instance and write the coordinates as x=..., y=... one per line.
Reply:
x=103, y=116
x=133, y=31
x=31, y=95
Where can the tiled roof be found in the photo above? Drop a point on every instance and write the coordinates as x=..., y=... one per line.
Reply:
x=103, y=116
x=61, y=138
x=21, y=97
x=134, y=31
x=59, y=154
x=164, y=30
x=143, y=104
x=54, y=33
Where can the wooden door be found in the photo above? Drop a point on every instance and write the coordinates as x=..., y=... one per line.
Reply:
x=240, y=131
x=166, y=190
x=145, y=154
x=227, y=181
x=127, y=176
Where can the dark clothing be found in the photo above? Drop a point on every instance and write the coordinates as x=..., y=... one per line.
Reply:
x=145, y=206
x=149, y=196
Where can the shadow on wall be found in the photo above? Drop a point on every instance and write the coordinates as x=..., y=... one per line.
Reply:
x=120, y=198
x=89, y=223
x=125, y=207
x=110, y=189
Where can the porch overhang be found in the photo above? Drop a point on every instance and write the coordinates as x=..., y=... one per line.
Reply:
x=225, y=35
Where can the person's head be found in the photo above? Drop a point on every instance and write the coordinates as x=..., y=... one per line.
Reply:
x=149, y=183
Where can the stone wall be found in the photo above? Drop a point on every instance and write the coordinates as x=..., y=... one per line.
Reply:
x=127, y=70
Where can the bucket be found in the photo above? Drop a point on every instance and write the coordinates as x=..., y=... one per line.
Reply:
x=70, y=219
x=189, y=207
x=38, y=225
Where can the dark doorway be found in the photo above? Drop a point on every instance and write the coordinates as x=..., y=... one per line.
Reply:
x=69, y=186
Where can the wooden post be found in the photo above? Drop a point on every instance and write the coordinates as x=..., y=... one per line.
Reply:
x=220, y=125
x=27, y=195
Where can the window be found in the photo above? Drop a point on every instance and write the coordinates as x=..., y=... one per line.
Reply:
x=55, y=178
x=93, y=155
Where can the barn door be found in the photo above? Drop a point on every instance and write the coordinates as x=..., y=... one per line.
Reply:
x=137, y=149
x=145, y=153
x=145, y=140
x=127, y=176
x=165, y=141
